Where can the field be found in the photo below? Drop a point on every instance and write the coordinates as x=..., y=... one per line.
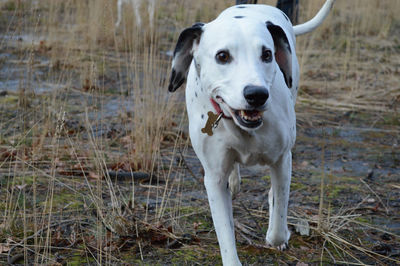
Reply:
x=96, y=165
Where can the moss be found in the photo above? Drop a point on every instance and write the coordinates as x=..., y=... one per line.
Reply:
x=64, y=199
x=334, y=191
x=185, y=255
x=23, y=180
x=314, y=198
x=78, y=259
x=9, y=99
x=258, y=256
x=196, y=215
x=391, y=120
x=297, y=186
x=266, y=178
x=246, y=181
x=347, y=179
x=363, y=220
x=195, y=254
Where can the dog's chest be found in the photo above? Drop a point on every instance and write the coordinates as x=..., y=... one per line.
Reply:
x=262, y=147
x=255, y=158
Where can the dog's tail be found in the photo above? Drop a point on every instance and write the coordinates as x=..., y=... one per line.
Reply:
x=313, y=23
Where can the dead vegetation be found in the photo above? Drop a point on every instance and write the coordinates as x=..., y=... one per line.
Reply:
x=96, y=165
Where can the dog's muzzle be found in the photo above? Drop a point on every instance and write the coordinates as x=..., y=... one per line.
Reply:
x=245, y=118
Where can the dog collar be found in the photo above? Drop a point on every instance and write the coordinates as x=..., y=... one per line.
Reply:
x=213, y=119
x=218, y=109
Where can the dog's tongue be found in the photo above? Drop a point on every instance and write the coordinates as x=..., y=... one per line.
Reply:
x=251, y=113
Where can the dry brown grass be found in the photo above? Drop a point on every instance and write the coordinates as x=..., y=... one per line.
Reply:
x=355, y=53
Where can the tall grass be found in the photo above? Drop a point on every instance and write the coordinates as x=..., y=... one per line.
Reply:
x=106, y=108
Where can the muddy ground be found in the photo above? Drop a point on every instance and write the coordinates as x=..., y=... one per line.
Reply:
x=60, y=206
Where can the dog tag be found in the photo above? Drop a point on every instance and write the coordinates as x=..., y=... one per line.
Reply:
x=212, y=122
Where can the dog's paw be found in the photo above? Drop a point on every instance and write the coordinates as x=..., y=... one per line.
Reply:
x=278, y=240
x=281, y=247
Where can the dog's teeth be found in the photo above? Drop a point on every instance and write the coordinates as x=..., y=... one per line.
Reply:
x=250, y=115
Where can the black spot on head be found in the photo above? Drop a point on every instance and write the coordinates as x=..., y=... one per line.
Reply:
x=198, y=69
x=202, y=116
x=241, y=7
x=198, y=25
x=241, y=2
x=238, y=16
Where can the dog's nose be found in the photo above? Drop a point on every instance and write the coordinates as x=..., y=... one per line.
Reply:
x=256, y=96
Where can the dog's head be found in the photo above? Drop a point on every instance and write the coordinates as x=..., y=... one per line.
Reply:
x=236, y=61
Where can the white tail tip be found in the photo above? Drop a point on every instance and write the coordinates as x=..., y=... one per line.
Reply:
x=315, y=21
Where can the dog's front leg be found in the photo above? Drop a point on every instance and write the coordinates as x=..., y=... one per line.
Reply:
x=278, y=234
x=219, y=198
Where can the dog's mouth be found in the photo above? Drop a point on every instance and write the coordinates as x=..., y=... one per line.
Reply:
x=250, y=119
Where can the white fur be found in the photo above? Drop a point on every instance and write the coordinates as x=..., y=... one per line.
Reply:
x=316, y=21
x=232, y=144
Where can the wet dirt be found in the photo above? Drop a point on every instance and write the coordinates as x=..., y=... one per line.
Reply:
x=355, y=154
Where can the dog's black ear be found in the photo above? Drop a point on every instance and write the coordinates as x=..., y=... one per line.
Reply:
x=183, y=55
x=283, y=52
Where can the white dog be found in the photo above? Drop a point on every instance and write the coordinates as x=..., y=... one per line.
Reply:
x=242, y=80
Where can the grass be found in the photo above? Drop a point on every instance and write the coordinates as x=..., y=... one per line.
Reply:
x=83, y=100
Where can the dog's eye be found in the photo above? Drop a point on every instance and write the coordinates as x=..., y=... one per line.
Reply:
x=266, y=55
x=223, y=57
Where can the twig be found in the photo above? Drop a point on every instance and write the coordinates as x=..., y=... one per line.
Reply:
x=125, y=175
x=13, y=259
x=367, y=252
x=379, y=198
x=252, y=216
x=242, y=228
x=187, y=166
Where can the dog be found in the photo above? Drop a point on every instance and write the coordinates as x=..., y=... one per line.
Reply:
x=242, y=81
x=135, y=4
